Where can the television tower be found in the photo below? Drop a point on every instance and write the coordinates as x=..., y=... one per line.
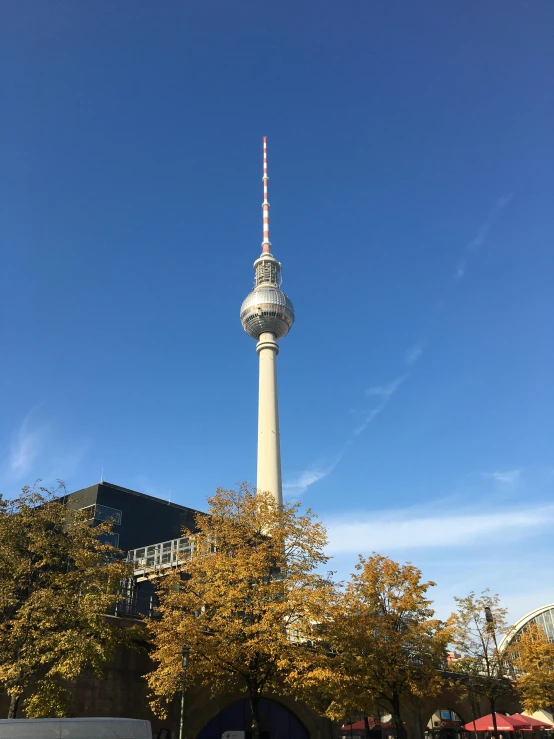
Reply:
x=267, y=315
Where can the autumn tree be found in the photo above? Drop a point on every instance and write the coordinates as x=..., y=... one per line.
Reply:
x=477, y=627
x=533, y=658
x=57, y=581
x=246, y=603
x=388, y=649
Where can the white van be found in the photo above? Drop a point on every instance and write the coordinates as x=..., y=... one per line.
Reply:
x=75, y=728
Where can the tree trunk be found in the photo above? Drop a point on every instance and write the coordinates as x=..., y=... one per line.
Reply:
x=255, y=710
x=366, y=727
x=421, y=726
x=401, y=732
x=493, y=706
x=14, y=704
x=473, y=715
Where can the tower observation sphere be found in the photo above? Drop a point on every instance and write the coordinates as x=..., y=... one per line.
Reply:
x=267, y=315
x=267, y=308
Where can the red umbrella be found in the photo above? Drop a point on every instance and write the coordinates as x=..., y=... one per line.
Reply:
x=356, y=726
x=534, y=723
x=360, y=726
x=503, y=723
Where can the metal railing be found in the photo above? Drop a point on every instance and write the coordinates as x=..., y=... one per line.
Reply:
x=159, y=557
x=137, y=604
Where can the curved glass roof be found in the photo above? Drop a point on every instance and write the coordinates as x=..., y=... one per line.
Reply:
x=543, y=616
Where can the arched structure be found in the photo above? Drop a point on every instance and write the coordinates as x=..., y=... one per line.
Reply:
x=543, y=616
x=276, y=720
x=445, y=723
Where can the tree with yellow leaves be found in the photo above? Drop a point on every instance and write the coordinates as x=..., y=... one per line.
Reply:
x=486, y=672
x=534, y=662
x=387, y=647
x=57, y=582
x=246, y=604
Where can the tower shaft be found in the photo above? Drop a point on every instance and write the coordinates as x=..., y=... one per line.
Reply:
x=269, y=446
x=267, y=315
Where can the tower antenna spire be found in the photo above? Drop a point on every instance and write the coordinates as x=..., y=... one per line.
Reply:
x=266, y=244
x=267, y=315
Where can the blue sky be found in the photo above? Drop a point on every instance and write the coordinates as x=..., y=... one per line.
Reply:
x=412, y=168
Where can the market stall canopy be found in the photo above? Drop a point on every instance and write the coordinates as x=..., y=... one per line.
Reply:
x=360, y=725
x=542, y=715
x=503, y=723
x=535, y=723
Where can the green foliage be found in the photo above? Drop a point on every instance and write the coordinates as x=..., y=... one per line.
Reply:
x=57, y=580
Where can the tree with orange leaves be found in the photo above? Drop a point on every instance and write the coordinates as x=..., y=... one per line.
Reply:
x=386, y=648
x=247, y=603
x=534, y=661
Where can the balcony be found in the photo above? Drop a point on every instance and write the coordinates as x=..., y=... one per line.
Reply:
x=156, y=559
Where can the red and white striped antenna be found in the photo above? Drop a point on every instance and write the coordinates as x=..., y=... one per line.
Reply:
x=266, y=244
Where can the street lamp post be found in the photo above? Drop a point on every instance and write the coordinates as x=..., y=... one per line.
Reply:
x=489, y=618
x=490, y=625
x=185, y=657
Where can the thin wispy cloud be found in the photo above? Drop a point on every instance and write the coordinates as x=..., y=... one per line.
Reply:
x=460, y=269
x=369, y=416
x=482, y=234
x=25, y=447
x=413, y=354
x=308, y=477
x=396, y=530
x=38, y=451
x=385, y=391
x=506, y=477
x=383, y=394
x=485, y=227
x=380, y=395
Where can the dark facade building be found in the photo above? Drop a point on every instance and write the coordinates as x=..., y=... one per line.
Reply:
x=147, y=529
x=138, y=519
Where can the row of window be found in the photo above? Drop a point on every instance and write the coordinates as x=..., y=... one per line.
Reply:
x=111, y=538
x=102, y=513
x=98, y=512
x=546, y=620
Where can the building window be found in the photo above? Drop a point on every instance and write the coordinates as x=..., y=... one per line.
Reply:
x=112, y=539
x=102, y=513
